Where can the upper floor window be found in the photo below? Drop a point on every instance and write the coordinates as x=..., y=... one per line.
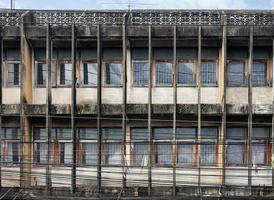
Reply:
x=259, y=74
x=236, y=74
x=113, y=74
x=163, y=73
x=13, y=74
x=89, y=74
x=41, y=74
x=186, y=73
x=140, y=73
x=208, y=73
x=65, y=73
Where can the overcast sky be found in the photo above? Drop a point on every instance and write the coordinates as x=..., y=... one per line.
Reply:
x=139, y=4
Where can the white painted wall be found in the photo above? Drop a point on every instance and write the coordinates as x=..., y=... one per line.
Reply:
x=262, y=95
x=11, y=95
x=162, y=95
x=61, y=95
x=137, y=95
x=210, y=95
x=187, y=95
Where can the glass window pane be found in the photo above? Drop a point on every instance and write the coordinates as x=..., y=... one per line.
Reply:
x=41, y=72
x=112, y=134
x=64, y=133
x=141, y=73
x=236, y=133
x=236, y=74
x=164, y=153
x=14, y=71
x=113, y=154
x=209, y=133
x=87, y=133
x=65, y=74
x=141, y=152
x=41, y=153
x=12, y=133
x=208, y=73
x=259, y=74
x=162, y=133
x=13, y=156
x=163, y=74
x=235, y=154
x=89, y=74
x=89, y=154
x=113, y=74
x=208, y=153
x=186, y=153
x=40, y=134
x=259, y=153
x=260, y=133
x=186, y=133
x=186, y=73
x=139, y=134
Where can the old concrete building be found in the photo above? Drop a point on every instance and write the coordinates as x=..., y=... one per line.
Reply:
x=137, y=103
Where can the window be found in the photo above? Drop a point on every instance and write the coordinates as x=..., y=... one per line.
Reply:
x=163, y=74
x=10, y=146
x=186, y=73
x=112, y=138
x=141, y=73
x=113, y=74
x=236, y=74
x=41, y=74
x=89, y=74
x=65, y=73
x=259, y=74
x=40, y=145
x=208, y=73
x=186, y=145
x=14, y=74
x=140, y=151
x=261, y=146
x=235, y=149
x=208, y=146
x=163, y=150
x=88, y=147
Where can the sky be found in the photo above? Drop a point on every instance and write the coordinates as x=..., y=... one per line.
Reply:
x=138, y=4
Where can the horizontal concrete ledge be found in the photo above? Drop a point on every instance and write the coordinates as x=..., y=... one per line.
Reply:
x=136, y=192
x=33, y=31
x=138, y=109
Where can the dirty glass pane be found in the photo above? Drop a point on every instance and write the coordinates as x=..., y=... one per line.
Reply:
x=259, y=74
x=163, y=74
x=113, y=74
x=208, y=73
x=164, y=153
x=186, y=73
x=141, y=73
x=185, y=153
x=236, y=74
x=89, y=74
x=235, y=154
x=208, y=153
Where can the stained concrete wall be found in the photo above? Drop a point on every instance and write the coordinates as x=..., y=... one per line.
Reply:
x=237, y=95
x=262, y=95
x=11, y=95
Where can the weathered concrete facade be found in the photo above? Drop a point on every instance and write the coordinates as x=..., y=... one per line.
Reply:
x=47, y=86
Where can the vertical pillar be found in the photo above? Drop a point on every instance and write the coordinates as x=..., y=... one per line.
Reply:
x=124, y=114
x=272, y=131
x=25, y=98
x=48, y=108
x=199, y=104
x=174, y=107
x=249, y=135
x=223, y=98
x=149, y=110
x=99, y=101
x=1, y=63
x=73, y=109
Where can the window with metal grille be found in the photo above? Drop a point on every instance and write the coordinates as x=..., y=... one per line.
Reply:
x=259, y=74
x=163, y=73
x=140, y=73
x=261, y=146
x=236, y=74
x=14, y=74
x=89, y=74
x=140, y=147
x=41, y=74
x=208, y=73
x=65, y=73
x=235, y=148
x=113, y=74
x=208, y=146
x=112, y=138
x=10, y=146
x=186, y=73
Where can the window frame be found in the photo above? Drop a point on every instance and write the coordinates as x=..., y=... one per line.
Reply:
x=194, y=73
x=58, y=64
x=104, y=83
x=36, y=74
x=81, y=68
x=132, y=73
x=245, y=72
x=216, y=72
x=154, y=72
x=6, y=73
x=267, y=80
